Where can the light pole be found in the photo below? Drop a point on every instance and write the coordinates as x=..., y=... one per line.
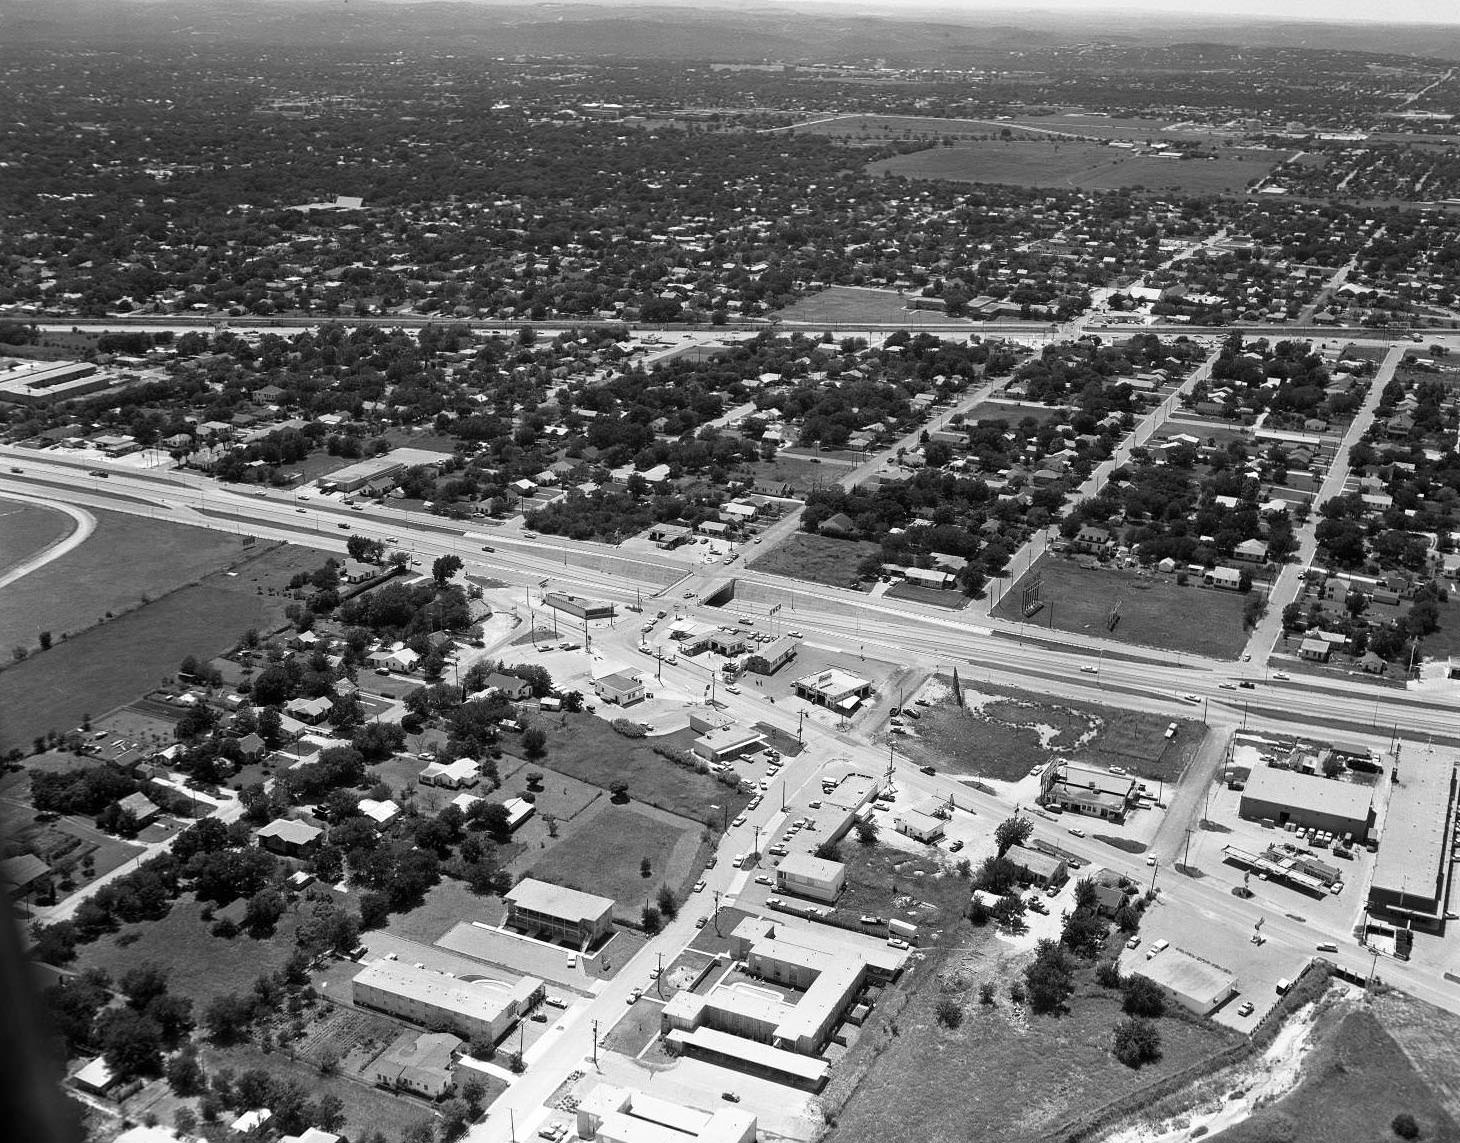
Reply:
x=717, y=912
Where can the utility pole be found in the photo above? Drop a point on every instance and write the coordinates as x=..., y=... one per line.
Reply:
x=595, y=1044
x=1153, y=876
x=658, y=976
x=1186, y=857
x=717, y=920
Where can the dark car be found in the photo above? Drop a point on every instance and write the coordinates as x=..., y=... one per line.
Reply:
x=1247, y=685
x=928, y=769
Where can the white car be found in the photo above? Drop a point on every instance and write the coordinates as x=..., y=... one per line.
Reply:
x=1280, y=675
x=700, y=886
x=1193, y=699
x=762, y=879
x=732, y=688
x=740, y=821
x=1089, y=670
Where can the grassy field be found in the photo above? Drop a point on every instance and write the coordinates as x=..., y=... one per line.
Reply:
x=447, y=903
x=985, y=1060
x=799, y=474
x=819, y=559
x=1154, y=612
x=1087, y=166
x=1014, y=413
x=603, y=854
x=950, y=598
x=25, y=529
x=1073, y=122
x=125, y=559
x=200, y=965
x=1017, y=730
x=1354, y=1084
x=587, y=748
x=851, y=305
x=112, y=663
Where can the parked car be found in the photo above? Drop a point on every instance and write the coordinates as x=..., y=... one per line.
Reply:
x=700, y=886
x=1245, y=1008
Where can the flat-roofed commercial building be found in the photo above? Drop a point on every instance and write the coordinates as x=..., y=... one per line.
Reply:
x=559, y=913
x=806, y=875
x=45, y=382
x=381, y=472
x=1086, y=790
x=1035, y=868
x=839, y=690
x=825, y=972
x=725, y=743
x=473, y=1009
x=1307, y=800
x=1409, y=874
x=1188, y=979
x=610, y=1114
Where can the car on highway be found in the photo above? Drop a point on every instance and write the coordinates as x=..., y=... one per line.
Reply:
x=1227, y=686
x=1193, y=699
x=795, y=635
x=1090, y=669
x=488, y=548
x=529, y=535
x=17, y=471
x=99, y=472
x=1281, y=675
x=343, y=526
x=928, y=769
x=1247, y=685
x=300, y=511
x=1245, y=1008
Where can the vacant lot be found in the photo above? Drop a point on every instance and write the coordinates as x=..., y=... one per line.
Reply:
x=851, y=306
x=27, y=528
x=1002, y=733
x=819, y=559
x=986, y=1059
x=583, y=746
x=1354, y=1084
x=447, y=903
x=1154, y=611
x=127, y=559
x=109, y=665
x=794, y=474
x=1087, y=166
x=950, y=598
x=1014, y=413
x=604, y=853
x=200, y=966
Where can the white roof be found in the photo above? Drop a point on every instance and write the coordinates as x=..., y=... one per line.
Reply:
x=558, y=901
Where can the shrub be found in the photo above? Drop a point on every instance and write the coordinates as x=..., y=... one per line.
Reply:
x=949, y=1012
x=627, y=728
x=1143, y=998
x=1137, y=1042
x=1404, y=1126
x=986, y=992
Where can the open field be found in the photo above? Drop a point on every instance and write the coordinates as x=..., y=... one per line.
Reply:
x=200, y=966
x=819, y=559
x=1014, y=413
x=950, y=598
x=603, y=855
x=1089, y=125
x=987, y=1059
x=886, y=882
x=447, y=903
x=1003, y=734
x=25, y=529
x=849, y=306
x=583, y=746
x=1353, y=1085
x=112, y=663
x=793, y=473
x=1154, y=611
x=127, y=559
x=1087, y=166
x=109, y=665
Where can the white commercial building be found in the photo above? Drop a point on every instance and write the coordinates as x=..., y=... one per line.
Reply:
x=806, y=875
x=609, y=1114
x=474, y=1009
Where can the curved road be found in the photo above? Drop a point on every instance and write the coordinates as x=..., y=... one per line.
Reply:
x=85, y=525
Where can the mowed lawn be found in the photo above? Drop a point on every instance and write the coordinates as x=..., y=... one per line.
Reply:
x=110, y=665
x=1153, y=612
x=819, y=559
x=994, y=1078
x=1070, y=163
x=585, y=747
x=25, y=529
x=603, y=854
x=200, y=966
x=125, y=559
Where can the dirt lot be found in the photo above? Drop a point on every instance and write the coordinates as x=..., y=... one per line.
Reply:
x=1088, y=166
x=1002, y=733
x=819, y=559
x=1154, y=611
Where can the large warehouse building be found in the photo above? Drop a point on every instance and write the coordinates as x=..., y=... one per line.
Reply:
x=1409, y=874
x=1308, y=801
